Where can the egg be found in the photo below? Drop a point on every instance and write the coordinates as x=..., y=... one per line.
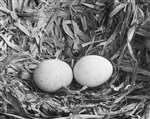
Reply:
x=53, y=74
x=92, y=70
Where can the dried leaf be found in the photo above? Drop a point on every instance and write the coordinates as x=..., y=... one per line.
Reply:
x=77, y=31
x=117, y=9
x=131, y=51
x=9, y=43
x=131, y=33
x=14, y=102
x=42, y=19
x=33, y=49
x=85, y=116
x=67, y=29
x=138, y=16
x=30, y=97
x=22, y=28
x=88, y=5
x=143, y=32
x=100, y=4
x=139, y=70
x=129, y=107
x=84, y=23
x=37, y=38
x=3, y=46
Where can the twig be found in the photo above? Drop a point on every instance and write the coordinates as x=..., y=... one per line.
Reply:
x=13, y=115
x=139, y=70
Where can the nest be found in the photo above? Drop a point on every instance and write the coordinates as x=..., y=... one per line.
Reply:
x=39, y=30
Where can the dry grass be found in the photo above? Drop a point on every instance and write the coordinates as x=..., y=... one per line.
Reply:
x=32, y=31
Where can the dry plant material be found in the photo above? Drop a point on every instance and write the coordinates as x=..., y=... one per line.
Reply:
x=34, y=30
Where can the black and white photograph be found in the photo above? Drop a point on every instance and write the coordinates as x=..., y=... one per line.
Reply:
x=74, y=59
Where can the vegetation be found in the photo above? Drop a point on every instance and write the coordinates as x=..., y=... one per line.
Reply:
x=34, y=30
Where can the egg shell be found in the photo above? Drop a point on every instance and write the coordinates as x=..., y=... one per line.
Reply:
x=92, y=70
x=53, y=74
